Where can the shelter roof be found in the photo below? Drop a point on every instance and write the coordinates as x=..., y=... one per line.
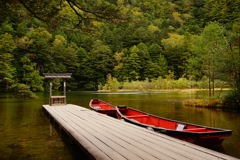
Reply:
x=57, y=75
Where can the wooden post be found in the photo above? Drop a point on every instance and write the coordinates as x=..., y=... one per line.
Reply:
x=64, y=85
x=51, y=92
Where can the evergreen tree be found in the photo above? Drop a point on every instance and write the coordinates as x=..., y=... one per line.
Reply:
x=99, y=63
x=7, y=46
x=132, y=65
x=118, y=68
x=151, y=71
x=155, y=51
x=31, y=76
x=210, y=47
x=103, y=57
x=163, y=65
x=40, y=49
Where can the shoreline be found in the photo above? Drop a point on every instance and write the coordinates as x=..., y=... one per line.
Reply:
x=156, y=90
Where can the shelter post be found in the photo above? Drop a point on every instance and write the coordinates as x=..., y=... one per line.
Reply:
x=64, y=85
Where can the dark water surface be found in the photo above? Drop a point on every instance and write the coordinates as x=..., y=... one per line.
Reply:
x=24, y=129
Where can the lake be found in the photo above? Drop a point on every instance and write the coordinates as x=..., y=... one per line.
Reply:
x=25, y=133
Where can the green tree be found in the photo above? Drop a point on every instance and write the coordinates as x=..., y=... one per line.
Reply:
x=168, y=82
x=132, y=65
x=100, y=63
x=118, y=68
x=71, y=57
x=143, y=52
x=59, y=51
x=103, y=57
x=223, y=11
x=7, y=45
x=111, y=84
x=173, y=50
x=40, y=49
x=64, y=56
x=89, y=77
x=155, y=51
x=31, y=76
x=210, y=48
x=232, y=64
x=141, y=34
x=151, y=70
x=231, y=68
x=177, y=52
x=6, y=27
x=163, y=65
x=194, y=67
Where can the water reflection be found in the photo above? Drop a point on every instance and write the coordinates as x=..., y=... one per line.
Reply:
x=138, y=92
x=76, y=151
x=24, y=132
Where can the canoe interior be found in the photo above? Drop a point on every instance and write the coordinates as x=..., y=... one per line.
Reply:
x=100, y=105
x=154, y=121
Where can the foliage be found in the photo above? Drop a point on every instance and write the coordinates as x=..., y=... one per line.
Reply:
x=232, y=99
x=67, y=13
x=31, y=77
x=156, y=84
x=212, y=55
x=112, y=84
x=164, y=44
x=6, y=58
x=22, y=90
x=182, y=83
x=132, y=66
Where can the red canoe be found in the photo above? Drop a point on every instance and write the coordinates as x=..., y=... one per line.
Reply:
x=201, y=135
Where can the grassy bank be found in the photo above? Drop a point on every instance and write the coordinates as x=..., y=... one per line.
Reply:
x=159, y=84
x=207, y=103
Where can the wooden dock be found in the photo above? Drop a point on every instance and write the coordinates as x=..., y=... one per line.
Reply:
x=106, y=138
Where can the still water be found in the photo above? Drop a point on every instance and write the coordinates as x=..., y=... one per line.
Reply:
x=24, y=129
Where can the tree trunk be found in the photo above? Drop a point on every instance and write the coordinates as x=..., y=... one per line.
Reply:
x=209, y=74
x=213, y=76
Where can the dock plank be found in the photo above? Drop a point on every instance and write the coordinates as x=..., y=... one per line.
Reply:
x=127, y=147
x=105, y=137
x=91, y=145
x=134, y=144
x=153, y=144
x=91, y=133
x=165, y=148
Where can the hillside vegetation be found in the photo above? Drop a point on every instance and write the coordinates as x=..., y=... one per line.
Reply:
x=128, y=40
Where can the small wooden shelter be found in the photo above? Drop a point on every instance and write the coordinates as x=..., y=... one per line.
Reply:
x=57, y=100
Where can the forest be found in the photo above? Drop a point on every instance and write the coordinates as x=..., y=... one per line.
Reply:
x=109, y=44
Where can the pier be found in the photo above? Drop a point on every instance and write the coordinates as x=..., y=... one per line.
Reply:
x=106, y=138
